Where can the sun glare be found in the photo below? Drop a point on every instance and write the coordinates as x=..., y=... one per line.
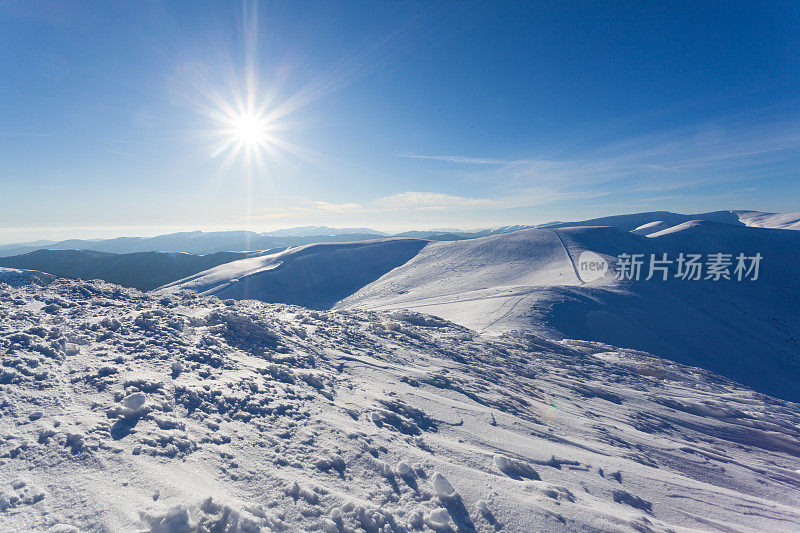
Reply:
x=249, y=119
x=249, y=130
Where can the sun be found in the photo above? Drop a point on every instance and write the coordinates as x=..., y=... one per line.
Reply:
x=247, y=133
x=249, y=130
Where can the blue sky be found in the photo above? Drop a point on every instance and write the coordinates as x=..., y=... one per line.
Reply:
x=391, y=115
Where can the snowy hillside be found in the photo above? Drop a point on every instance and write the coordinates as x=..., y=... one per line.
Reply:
x=770, y=220
x=315, y=276
x=15, y=277
x=651, y=222
x=123, y=411
x=142, y=270
x=526, y=281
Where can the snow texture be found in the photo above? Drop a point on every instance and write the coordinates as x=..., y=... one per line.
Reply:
x=124, y=411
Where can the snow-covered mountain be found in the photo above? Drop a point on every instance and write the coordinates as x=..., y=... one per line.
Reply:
x=526, y=281
x=770, y=220
x=123, y=411
x=654, y=221
x=199, y=242
x=141, y=270
x=315, y=276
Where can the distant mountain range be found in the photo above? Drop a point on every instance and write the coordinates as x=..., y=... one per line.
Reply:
x=149, y=262
x=200, y=242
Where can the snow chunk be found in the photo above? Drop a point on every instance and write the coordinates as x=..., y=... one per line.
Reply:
x=514, y=468
x=134, y=401
x=442, y=487
x=403, y=469
x=438, y=518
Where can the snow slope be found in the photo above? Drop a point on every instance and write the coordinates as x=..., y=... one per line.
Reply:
x=526, y=281
x=649, y=222
x=654, y=221
x=16, y=277
x=770, y=220
x=122, y=411
x=315, y=276
x=141, y=270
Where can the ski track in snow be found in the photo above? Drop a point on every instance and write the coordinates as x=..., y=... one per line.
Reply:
x=123, y=411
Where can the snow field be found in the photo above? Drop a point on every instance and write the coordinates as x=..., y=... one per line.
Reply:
x=124, y=411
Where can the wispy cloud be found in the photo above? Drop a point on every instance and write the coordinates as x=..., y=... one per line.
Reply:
x=684, y=158
x=422, y=202
x=468, y=160
x=24, y=134
x=307, y=209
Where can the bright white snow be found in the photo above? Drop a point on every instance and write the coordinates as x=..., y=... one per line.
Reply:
x=123, y=411
x=770, y=220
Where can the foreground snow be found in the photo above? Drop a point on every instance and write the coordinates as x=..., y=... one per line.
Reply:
x=123, y=411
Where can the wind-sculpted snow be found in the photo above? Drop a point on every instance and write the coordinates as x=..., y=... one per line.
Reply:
x=16, y=277
x=121, y=411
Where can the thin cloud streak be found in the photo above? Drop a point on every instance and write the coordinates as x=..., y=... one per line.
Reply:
x=688, y=158
x=467, y=160
x=421, y=201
